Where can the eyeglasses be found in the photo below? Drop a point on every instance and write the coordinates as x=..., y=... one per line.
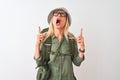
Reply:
x=63, y=14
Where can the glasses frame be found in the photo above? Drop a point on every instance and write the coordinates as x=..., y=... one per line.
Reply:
x=62, y=14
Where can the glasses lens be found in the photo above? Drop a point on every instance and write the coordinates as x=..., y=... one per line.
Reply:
x=55, y=14
x=63, y=14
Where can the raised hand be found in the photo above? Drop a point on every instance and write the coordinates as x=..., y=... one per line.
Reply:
x=40, y=37
x=80, y=40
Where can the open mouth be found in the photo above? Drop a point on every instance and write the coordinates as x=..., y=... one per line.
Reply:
x=58, y=21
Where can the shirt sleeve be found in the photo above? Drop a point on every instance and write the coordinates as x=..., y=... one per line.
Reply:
x=39, y=59
x=76, y=59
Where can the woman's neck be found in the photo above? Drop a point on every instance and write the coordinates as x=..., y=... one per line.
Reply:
x=58, y=33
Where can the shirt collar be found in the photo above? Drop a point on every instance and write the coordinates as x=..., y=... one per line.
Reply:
x=53, y=36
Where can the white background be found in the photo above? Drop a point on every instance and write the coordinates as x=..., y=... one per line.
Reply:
x=100, y=20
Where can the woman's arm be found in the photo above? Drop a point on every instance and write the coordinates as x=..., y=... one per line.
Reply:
x=40, y=38
x=37, y=51
x=80, y=40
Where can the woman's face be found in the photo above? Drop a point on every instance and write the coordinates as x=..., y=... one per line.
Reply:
x=59, y=19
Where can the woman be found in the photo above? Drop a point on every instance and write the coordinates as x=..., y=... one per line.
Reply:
x=61, y=65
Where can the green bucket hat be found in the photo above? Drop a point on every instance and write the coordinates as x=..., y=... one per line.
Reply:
x=63, y=9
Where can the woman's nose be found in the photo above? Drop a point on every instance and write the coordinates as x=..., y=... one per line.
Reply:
x=59, y=14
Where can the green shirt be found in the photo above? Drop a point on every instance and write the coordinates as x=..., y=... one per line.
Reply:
x=61, y=65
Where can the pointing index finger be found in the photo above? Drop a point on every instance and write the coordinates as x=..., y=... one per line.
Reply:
x=39, y=30
x=81, y=30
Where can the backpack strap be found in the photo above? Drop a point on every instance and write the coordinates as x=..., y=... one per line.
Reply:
x=47, y=46
x=46, y=49
x=72, y=44
x=44, y=30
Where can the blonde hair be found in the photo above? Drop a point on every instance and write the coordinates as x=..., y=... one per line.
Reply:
x=51, y=29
